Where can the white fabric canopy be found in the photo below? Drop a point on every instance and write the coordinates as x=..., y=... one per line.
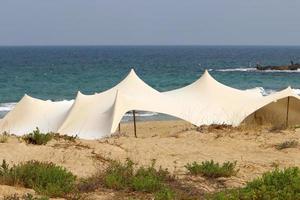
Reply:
x=98, y=115
x=206, y=101
x=30, y=113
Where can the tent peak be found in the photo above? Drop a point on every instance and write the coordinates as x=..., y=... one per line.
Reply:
x=206, y=75
x=132, y=72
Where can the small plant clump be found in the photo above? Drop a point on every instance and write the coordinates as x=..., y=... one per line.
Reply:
x=277, y=184
x=123, y=176
x=37, y=138
x=57, y=136
x=3, y=137
x=210, y=169
x=45, y=178
x=165, y=194
x=287, y=144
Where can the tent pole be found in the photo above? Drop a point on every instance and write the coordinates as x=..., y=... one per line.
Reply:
x=134, y=123
x=120, y=127
x=287, y=112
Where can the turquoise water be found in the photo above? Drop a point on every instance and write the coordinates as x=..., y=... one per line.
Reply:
x=57, y=73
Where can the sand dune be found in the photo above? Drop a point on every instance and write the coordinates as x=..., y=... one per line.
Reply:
x=172, y=144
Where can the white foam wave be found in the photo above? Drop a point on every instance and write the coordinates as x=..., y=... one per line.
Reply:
x=235, y=69
x=265, y=92
x=141, y=114
x=296, y=91
x=5, y=107
x=253, y=70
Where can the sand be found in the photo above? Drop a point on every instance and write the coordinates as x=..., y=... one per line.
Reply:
x=172, y=144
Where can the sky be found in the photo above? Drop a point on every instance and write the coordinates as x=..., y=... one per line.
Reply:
x=149, y=22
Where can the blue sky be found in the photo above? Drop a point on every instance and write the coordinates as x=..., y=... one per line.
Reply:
x=153, y=22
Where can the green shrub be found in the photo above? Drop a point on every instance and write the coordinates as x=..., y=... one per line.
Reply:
x=148, y=179
x=38, y=138
x=211, y=169
x=164, y=194
x=45, y=178
x=123, y=176
x=277, y=184
x=287, y=144
x=145, y=179
x=117, y=175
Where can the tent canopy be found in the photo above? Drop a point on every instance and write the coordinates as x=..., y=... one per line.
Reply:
x=98, y=115
x=31, y=113
x=204, y=102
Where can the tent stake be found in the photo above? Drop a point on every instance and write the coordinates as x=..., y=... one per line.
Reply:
x=287, y=112
x=134, y=124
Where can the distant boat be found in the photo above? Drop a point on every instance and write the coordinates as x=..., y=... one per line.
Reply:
x=292, y=66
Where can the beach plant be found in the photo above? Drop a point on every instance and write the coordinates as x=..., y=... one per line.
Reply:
x=277, y=184
x=145, y=179
x=45, y=178
x=117, y=175
x=211, y=169
x=165, y=194
x=58, y=136
x=287, y=144
x=148, y=179
x=37, y=138
x=124, y=176
x=4, y=137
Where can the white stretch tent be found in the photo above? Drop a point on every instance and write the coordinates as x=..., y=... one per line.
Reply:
x=30, y=113
x=98, y=115
x=206, y=101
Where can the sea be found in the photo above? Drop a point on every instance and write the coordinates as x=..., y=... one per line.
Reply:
x=58, y=72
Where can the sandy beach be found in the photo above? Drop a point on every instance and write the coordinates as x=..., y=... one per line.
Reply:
x=172, y=144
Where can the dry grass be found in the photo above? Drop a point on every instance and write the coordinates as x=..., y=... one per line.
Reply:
x=287, y=144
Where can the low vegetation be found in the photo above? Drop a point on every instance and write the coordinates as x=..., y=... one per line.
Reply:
x=287, y=144
x=123, y=176
x=3, y=137
x=45, y=178
x=211, y=169
x=57, y=136
x=277, y=184
x=148, y=181
x=39, y=138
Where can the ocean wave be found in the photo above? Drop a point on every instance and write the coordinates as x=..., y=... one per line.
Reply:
x=141, y=114
x=5, y=107
x=297, y=91
x=234, y=70
x=266, y=92
x=254, y=70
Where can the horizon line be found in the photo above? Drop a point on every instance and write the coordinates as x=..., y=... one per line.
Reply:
x=141, y=45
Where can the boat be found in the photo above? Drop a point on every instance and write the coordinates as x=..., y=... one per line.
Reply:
x=292, y=66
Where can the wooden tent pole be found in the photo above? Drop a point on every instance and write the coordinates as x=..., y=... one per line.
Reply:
x=134, y=123
x=120, y=127
x=287, y=112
